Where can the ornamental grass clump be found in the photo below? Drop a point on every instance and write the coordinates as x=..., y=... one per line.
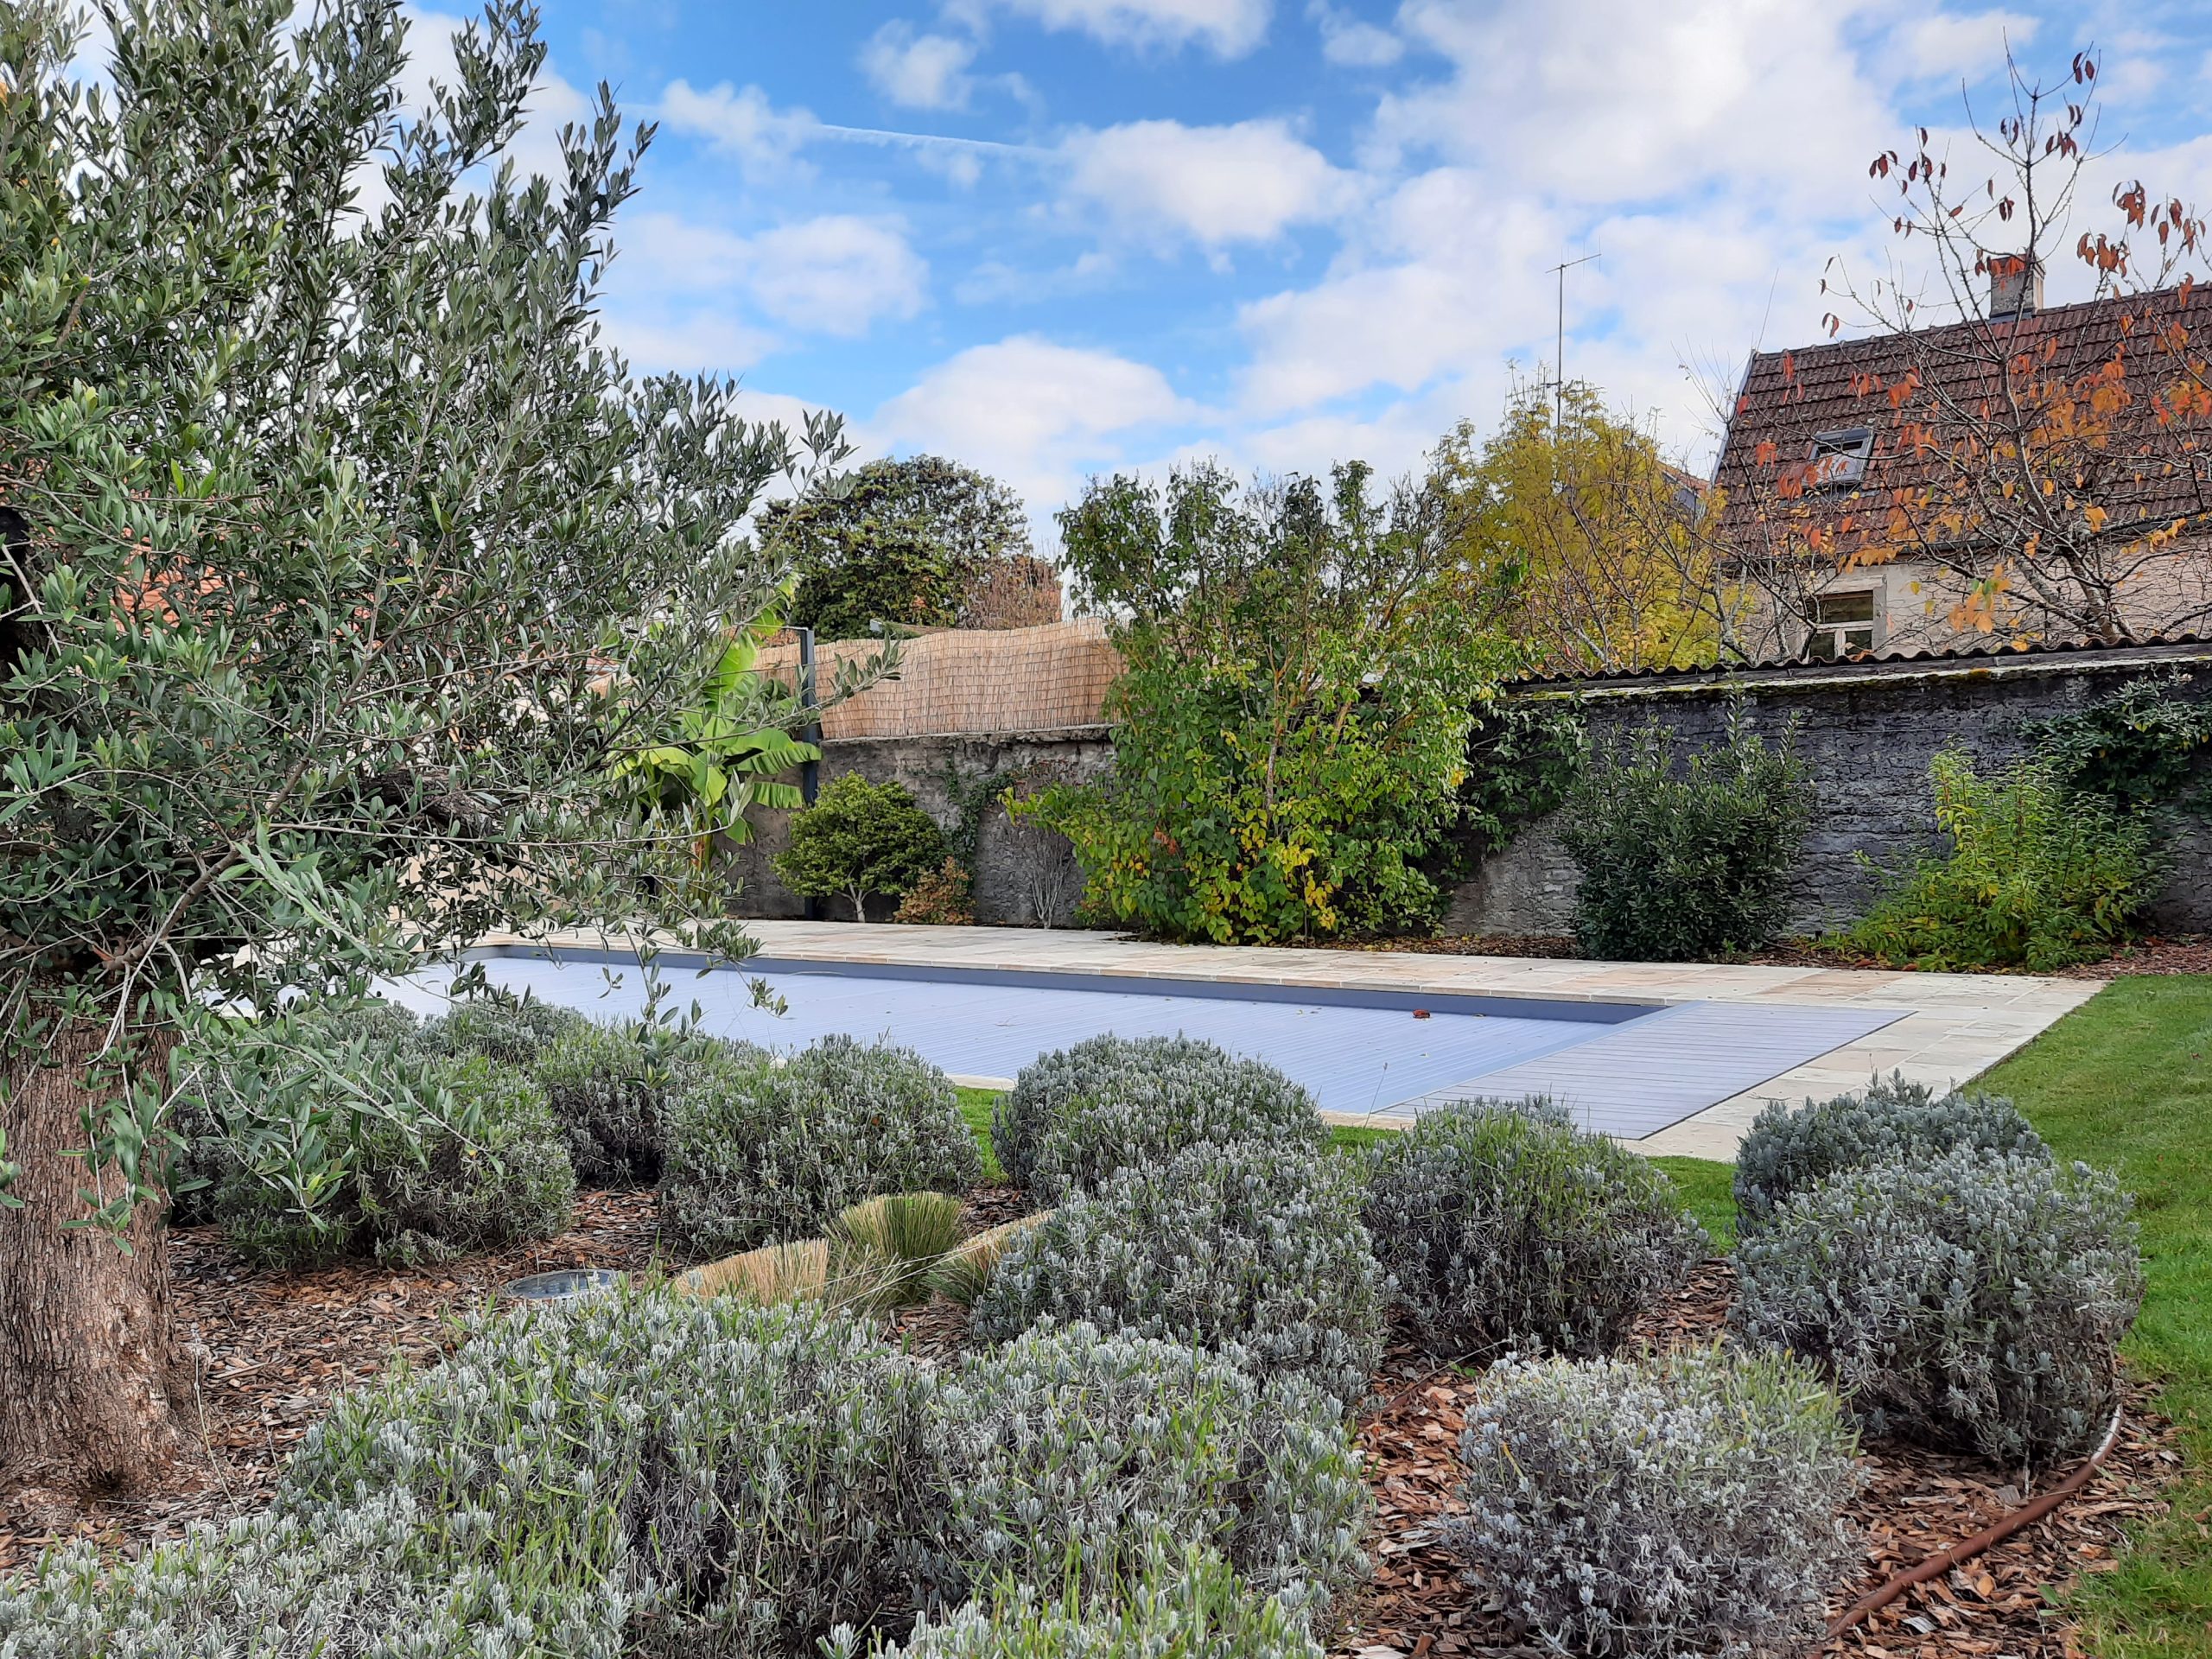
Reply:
x=1504, y=1226
x=1076, y=1116
x=1067, y=1451
x=1971, y=1303
x=1685, y=1503
x=774, y=1152
x=1186, y=1602
x=1890, y=1121
x=1251, y=1250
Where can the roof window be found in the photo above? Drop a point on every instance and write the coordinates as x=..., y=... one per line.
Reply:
x=1838, y=457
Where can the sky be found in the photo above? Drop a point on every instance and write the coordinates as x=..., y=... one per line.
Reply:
x=1056, y=238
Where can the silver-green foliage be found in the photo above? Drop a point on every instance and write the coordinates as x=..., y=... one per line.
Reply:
x=437, y=1196
x=1683, y=1504
x=366, y=1580
x=1973, y=1302
x=1187, y=1603
x=1891, y=1121
x=774, y=1152
x=513, y=1031
x=1250, y=1249
x=1504, y=1226
x=1066, y=1451
x=1076, y=1116
x=609, y=1087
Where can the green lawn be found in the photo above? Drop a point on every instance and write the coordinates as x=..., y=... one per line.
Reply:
x=2124, y=1082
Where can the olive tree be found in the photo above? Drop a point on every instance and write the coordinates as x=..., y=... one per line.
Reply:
x=343, y=558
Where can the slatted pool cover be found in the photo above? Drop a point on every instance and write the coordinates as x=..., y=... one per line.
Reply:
x=1627, y=1071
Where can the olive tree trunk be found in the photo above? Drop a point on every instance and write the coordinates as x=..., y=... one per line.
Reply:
x=93, y=1398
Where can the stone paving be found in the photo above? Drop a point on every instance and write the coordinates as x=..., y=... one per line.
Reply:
x=1953, y=1026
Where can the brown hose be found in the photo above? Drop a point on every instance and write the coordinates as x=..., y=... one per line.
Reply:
x=2027, y=1515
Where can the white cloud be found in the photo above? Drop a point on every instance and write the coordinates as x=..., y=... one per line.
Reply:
x=1036, y=413
x=689, y=339
x=837, y=274
x=1215, y=186
x=739, y=121
x=1228, y=28
x=1954, y=47
x=1351, y=43
x=922, y=72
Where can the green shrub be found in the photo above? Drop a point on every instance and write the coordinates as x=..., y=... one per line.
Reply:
x=609, y=1086
x=1682, y=1504
x=1067, y=1451
x=436, y=1196
x=1504, y=1226
x=513, y=1031
x=366, y=1580
x=1887, y=1122
x=2036, y=877
x=1971, y=1302
x=1250, y=1250
x=859, y=840
x=1686, y=864
x=1077, y=1116
x=1189, y=1604
x=774, y=1152
x=2141, y=747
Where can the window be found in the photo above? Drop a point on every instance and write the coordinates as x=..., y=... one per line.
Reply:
x=1840, y=623
x=1838, y=457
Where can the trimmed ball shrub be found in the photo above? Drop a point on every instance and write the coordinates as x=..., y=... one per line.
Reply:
x=1971, y=1303
x=1252, y=1251
x=1889, y=1121
x=770, y=1154
x=1068, y=1452
x=1683, y=1504
x=1076, y=1116
x=495, y=1174
x=1504, y=1226
x=1187, y=1603
x=609, y=1088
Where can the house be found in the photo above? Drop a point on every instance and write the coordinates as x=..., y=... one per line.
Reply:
x=2030, y=476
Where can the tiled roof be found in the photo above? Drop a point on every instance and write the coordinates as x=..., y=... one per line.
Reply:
x=1985, y=654
x=2145, y=473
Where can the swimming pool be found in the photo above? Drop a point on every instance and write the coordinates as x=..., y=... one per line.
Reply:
x=1630, y=1069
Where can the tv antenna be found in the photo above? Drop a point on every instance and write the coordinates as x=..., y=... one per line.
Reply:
x=1559, y=343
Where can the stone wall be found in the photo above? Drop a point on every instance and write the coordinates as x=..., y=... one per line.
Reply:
x=1867, y=732
x=1024, y=875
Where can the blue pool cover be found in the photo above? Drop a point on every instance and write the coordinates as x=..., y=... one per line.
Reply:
x=1628, y=1068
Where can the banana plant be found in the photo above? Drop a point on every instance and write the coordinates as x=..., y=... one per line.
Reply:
x=727, y=749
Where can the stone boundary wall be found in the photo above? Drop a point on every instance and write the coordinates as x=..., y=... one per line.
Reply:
x=1867, y=731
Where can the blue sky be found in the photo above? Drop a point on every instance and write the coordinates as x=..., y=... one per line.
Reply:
x=1052, y=237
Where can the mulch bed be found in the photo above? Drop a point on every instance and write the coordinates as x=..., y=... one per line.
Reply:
x=1914, y=1503
x=2188, y=953
x=274, y=1348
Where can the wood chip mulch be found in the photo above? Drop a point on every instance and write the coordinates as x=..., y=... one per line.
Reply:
x=1914, y=1503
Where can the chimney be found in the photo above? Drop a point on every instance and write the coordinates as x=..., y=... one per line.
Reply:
x=2015, y=286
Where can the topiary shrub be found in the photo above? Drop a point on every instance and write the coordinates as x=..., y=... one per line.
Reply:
x=1248, y=1249
x=1686, y=864
x=1682, y=1504
x=1504, y=1226
x=1889, y=1121
x=859, y=840
x=1076, y=1116
x=774, y=1152
x=1972, y=1302
x=513, y=1031
x=1069, y=1454
x=1187, y=1602
x=494, y=1173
